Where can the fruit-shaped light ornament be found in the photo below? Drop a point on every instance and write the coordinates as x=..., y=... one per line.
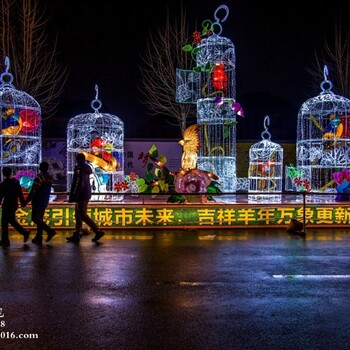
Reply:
x=21, y=138
x=100, y=137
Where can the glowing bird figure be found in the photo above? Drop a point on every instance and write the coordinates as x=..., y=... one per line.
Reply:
x=190, y=144
x=331, y=128
x=333, y=131
x=219, y=77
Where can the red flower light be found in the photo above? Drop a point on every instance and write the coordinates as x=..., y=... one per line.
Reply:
x=196, y=37
x=133, y=176
x=306, y=184
x=121, y=186
x=298, y=181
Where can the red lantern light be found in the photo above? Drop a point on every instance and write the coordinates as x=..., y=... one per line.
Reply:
x=219, y=77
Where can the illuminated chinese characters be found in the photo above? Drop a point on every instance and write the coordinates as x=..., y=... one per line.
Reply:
x=180, y=216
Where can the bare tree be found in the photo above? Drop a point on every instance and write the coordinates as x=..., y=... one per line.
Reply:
x=337, y=58
x=33, y=61
x=158, y=74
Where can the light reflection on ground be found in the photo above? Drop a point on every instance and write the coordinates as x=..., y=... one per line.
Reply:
x=199, y=234
x=317, y=277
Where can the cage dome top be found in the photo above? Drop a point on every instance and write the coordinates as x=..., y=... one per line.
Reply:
x=10, y=97
x=326, y=102
x=266, y=144
x=213, y=30
x=216, y=40
x=103, y=119
x=96, y=118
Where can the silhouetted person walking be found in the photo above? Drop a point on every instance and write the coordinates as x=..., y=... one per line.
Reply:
x=10, y=193
x=39, y=196
x=80, y=193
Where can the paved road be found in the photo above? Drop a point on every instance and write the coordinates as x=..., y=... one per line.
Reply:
x=178, y=290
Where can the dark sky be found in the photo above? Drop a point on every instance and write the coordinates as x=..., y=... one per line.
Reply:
x=101, y=42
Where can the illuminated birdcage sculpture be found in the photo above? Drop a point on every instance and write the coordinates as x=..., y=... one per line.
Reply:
x=21, y=139
x=323, y=142
x=265, y=168
x=100, y=137
x=216, y=106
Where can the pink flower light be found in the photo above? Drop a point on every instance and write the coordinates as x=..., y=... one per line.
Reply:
x=193, y=181
x=340, y=176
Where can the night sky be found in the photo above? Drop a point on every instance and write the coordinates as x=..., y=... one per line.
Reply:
x=101, y=42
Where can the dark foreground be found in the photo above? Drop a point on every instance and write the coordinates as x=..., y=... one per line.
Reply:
x=178, y=290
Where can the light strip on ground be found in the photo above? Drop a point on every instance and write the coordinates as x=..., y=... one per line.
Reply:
x=311, y=276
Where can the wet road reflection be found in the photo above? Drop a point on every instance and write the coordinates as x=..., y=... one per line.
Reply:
x=194, y=289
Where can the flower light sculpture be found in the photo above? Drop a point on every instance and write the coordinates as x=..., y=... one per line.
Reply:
x=188, y=180
x=129, y=184
x=100, y=137
x=342, y=179
x=21, y=139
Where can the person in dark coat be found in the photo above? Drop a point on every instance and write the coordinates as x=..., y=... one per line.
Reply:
x=39, y=195
x=80, y=193
x=10, y=194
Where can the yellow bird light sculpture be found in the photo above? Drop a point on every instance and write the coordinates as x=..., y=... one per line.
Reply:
x=190, y=144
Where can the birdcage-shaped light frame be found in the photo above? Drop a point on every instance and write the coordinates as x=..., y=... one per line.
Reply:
x=323, y=139
x=100, y=137
x=21, y=135
x=216, y=64
x=265, y=172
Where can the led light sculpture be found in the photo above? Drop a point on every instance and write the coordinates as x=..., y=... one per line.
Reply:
x=215, y=113
x=100, y=137
x=265, y=168
x=212, y=86
x=323, y=142
x=21, y=139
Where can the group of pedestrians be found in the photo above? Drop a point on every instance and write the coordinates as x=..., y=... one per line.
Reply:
x=11, y=195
